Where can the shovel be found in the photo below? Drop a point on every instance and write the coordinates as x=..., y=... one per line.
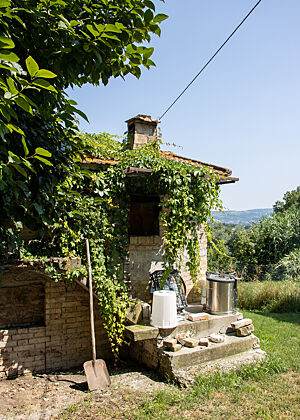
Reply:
x=95, y=370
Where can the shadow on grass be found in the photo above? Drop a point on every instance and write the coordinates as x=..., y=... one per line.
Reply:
x=291, y=317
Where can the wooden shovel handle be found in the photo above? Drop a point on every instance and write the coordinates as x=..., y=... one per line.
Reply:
x=91, y=301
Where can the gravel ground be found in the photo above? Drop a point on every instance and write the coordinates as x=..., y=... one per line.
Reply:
x=45, y=396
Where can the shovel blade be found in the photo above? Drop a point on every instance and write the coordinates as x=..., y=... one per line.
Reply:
x=96, y=374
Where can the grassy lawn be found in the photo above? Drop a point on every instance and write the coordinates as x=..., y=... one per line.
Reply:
x=265, y=391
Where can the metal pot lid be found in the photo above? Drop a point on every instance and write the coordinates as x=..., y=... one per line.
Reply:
x=221, y=277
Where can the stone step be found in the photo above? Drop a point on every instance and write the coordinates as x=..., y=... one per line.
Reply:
x=187, y=376
x=185, y=357
x=203, y=328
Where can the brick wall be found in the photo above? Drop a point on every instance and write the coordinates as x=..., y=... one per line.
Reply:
x=63, y=341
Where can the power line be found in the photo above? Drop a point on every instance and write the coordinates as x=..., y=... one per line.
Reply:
x=210, y=60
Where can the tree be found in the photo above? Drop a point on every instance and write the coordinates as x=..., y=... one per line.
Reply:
x=67, y=43
x=291, y=200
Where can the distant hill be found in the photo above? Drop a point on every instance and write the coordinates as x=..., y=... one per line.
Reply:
x=241, y=217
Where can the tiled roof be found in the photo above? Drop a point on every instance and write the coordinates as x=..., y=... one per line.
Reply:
x=172, y=156
x=224, y=172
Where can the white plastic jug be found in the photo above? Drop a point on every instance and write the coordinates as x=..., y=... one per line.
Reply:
x=164, y=310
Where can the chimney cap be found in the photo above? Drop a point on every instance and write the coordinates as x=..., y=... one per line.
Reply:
x=143, y=118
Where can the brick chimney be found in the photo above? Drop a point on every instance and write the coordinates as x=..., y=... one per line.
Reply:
x=141, y=130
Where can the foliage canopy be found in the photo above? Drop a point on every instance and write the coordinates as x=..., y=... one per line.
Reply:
x=267, y=248
x=45, y=47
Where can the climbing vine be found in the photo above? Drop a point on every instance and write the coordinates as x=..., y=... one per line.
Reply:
x=93, y=202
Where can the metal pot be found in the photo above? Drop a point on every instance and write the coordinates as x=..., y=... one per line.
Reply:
x=221, y=293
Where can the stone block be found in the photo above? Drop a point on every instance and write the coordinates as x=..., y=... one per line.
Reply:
x=24, y=348
x=18, y=337
x=176, y=347
x=216, y=338
x=146, y=311
x=204, y=342
x=39, y=340
x=245, y=331
x=241, y=323
x=22, y=342
x=141, y=332
x=181, y=336
x=68, y=263
x=134, y=313
x=190, y=342
x=197, y=317
x=169, y=343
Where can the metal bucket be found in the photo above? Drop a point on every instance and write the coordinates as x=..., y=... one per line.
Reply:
x=221, y=294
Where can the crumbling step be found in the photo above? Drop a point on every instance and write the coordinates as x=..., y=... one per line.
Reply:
x=187, y=376
x=203, y=328
x=172, y=361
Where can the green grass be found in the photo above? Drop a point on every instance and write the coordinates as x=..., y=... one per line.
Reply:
x=270, y=296
x=279, y=335
x=268, y=390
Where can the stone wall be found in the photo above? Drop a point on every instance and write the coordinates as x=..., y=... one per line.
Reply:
x=145, y=256
x=62, y=341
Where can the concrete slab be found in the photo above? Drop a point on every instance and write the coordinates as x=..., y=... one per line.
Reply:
x=202, y=328
x=187, y=376
x=194, y=356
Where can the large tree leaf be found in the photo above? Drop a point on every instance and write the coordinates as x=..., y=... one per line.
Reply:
x=42, y=152
x=9, y=56
x=44, y=84
x=46, y=161
x=47, y=74
x=23, y=104
x=160, y=17
x=32, y=66
x=6, y=42
x=4, y=3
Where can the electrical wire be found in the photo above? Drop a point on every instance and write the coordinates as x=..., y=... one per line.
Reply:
x=210, y=60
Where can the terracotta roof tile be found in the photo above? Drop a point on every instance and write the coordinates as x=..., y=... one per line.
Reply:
x=171, y=156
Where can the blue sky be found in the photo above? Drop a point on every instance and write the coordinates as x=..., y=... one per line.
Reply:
x=241, y=113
